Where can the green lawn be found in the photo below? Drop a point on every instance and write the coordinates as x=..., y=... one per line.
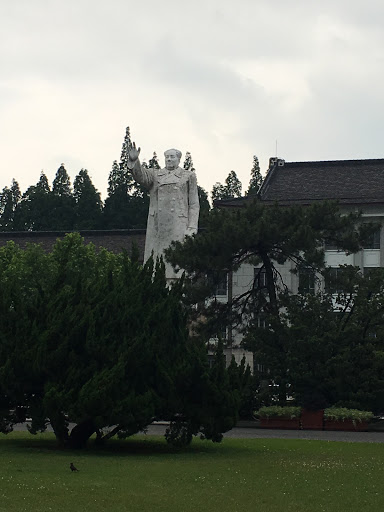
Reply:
x=144, y=474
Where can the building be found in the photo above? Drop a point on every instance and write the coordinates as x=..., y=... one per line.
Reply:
x=357, y=185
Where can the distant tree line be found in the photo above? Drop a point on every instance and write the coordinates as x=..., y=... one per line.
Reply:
x=63, y=206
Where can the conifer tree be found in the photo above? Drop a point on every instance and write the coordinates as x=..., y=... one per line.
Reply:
x=188, y=162
x=62, y=202
x=88, y=202
x=9, y=199
x=154, y=162
x=127, y=144
x=61, y=185
x=230, y=190
x=101, y=339
x=205, y=207
x=267, y=236
x=116, y=213
x=256, y=178
x=43, y=185
x=34, y=210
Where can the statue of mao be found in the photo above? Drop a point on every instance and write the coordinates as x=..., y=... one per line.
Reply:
x=174, y=203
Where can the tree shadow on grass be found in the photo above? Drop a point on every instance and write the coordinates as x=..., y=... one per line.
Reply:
x=139, y=444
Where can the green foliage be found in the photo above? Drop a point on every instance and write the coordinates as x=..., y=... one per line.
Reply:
x=126, y=206
x=61, y=185
x=100, y=339
x=334, y=344
x=62, y=214
x=317, y=356
x=246, y=385
x=342, y=414
x=204, y=206
x=88, y=202
x=256, y=178
x=34, y=211
x=9, y=199
x=276, y=411
x=126, y=146
x=231, y=189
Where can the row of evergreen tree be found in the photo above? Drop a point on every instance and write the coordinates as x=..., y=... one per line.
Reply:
x=63, y=207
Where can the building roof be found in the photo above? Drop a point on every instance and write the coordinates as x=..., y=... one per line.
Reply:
x=347, y=181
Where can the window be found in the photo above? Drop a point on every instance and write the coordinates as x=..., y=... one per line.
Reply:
x=334, y=282
x=374, y=241
x=220, y=333
x=329, y=245
x=221, y=283
x=260, y=276
x=307, y=280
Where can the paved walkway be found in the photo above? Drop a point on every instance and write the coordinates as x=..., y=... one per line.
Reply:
x=319, y=435
x=262, y=433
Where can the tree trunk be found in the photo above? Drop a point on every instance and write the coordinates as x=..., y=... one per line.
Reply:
x=59, y=426
x=81, y=433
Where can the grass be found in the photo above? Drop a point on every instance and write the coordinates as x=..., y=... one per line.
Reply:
x=144, y=474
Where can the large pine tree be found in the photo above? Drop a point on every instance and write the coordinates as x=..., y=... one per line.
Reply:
x=116, y=214
x=63, y=202
x=9, y=199
x=256, y=178
x=266, y=236
x=88, y=202
x=34, y=211
x=127, y=203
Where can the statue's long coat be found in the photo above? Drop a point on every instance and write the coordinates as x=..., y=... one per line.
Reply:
x=173, y=209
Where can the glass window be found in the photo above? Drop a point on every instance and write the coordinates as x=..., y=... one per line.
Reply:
x=307, y=281
x=374, y=241
x=334, y=281
x=219, y=280
x=329, y=245
x=260, y=277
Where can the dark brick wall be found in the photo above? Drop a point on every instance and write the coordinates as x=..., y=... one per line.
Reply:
x=113, y=240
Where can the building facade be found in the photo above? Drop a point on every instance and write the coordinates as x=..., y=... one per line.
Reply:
x=356, y=185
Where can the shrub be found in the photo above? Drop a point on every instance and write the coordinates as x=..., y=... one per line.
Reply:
x=342, y=414
x=276, y=411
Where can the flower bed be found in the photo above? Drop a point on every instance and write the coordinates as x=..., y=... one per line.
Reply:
x=279, y=417
x=340, y=418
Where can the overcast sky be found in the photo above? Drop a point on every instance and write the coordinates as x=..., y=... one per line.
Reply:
x=222, y=79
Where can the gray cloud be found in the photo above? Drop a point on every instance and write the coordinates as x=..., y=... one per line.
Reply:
x=223, y=79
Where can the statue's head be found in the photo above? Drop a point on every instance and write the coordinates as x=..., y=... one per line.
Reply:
x=172, y=158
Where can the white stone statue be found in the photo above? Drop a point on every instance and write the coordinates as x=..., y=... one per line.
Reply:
x=174, y=203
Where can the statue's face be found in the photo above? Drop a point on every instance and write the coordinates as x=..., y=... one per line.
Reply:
x=171, y=159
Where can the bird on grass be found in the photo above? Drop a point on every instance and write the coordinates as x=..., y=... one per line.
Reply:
x=73, y=468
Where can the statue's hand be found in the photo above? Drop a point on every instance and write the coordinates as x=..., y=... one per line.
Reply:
x=133, y=153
